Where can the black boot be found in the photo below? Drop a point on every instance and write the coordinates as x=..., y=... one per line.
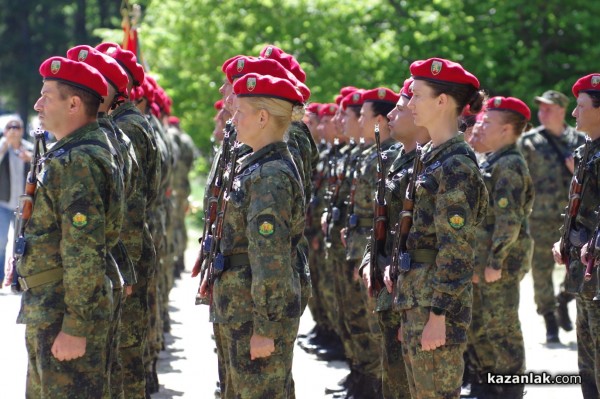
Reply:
x=513, y=391
x=551, y=328
x=562, y=311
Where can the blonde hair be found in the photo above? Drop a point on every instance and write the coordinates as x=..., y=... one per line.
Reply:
x=282, y=111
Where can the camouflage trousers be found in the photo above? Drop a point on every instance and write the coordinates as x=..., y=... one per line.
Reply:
x=222, y=359
x=500, y=311
x=269, y=377
x=433, y=374
x=133, y=333
x=395, y=382
x=479, y=348
x=114, y=361
x=588, y=346
x=544, y=235
x=85, y=377
x=316, y=260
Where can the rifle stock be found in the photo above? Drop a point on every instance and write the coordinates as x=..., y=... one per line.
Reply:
x=378, y=235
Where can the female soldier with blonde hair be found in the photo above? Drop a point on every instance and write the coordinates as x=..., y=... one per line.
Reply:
x=256, y=298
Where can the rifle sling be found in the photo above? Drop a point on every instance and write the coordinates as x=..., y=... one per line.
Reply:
x=554, y=145
x=426, y=256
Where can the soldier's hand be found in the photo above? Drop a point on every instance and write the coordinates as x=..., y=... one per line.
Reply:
x=261, y=346
x=8, y=272
x=492, y=275
x=570, y=164
x=68, y=347
x=203, y=290
x=475, y=278
x=434, y=333
x=584, y=254
x=128, y=290
x=387, y=279
x=343, y=236
x=556, y=253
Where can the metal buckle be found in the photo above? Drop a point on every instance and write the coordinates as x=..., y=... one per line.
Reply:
x=23, y=284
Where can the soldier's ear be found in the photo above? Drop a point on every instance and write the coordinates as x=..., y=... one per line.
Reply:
x=75, y=104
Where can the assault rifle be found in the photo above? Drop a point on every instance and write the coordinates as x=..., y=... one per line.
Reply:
x=214, y=195
x=378, y=234
x=317, y=183
x=25, y=209
x=573, y=206
x=333, y=212
x=215, y=261
x=352, y=217
x=400, y=256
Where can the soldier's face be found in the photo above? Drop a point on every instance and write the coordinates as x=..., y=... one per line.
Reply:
x=52, y=108
x=227, y=92
x=492, y=130
x=246, y=121
x=367, y=120
x=327, y=128
x=475, y=138
x=423, y=104
x=551, y=114
x=401, y=122
x=351, y=126
x=588, y=117
x=312, y=121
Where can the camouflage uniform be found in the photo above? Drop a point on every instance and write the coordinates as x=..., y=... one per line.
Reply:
x=362, y=322
x=263, y=223
x=508, y=246
x=134, y=316
x=551, y=182
x=77, y=217
x=129, y=239
x=588, y=310
x=450, y=201
x=395, y=383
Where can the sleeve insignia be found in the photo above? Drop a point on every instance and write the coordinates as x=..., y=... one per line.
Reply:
x=79, y=220
x=456, y=217
x=503, y=202
x=266, y=225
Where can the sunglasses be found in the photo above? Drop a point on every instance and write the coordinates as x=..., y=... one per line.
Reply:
x=13, y=127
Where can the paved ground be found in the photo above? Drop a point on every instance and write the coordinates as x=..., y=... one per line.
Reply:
x=188, y=366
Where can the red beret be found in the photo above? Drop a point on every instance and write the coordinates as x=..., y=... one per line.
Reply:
x=107, y=66
x=219, y=105
x=407, y=89
x=126, y=59
x=76, y=74
x=381, y=94
x=338, y=99
x=344, y=91
x=441, y=70
x=147, y=89
x=254, y=85
x=353, y=99
x=587, y=83
x=327, y=110
x=173, y=120
x=511, y=104
x=286, y=60
x=313, y=108
x=155, y=109
x=230, y=61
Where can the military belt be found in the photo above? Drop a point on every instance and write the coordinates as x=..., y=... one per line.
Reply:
x=426, y=256
x=46, y=277
x=490, y=219
x=236, y=260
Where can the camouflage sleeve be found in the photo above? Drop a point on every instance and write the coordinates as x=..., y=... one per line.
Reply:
x=80, y=208
x=269, y=250
x=457, y=212
x=133, y=224
x=509, y=211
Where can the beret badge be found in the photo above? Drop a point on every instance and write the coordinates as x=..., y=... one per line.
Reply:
x=436, y=68
x=240, y=65
x=269, y=51
x=55, y=66
x=381, y=93
x=355, y=97
x=497, y=101
x=251, y=84
x=82, y=55
x=595, y=80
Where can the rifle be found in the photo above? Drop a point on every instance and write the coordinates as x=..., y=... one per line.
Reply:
x=333, y=212
x=214, y=189
x=318, y=182
x=573, y=206
x=593, y=253
x=378, y=235
x=400, y=256
x=215, y=261
x=25, y=209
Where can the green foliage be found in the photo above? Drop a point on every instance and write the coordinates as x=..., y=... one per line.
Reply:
x=515, y=47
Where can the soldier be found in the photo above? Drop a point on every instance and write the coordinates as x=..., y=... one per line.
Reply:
x=76, y=220
x=434, y=295
x=402, y=129
x=311, y=119
x=548, y=152
x=580, y=229
x=134, y=315
x=264, y=222
x=505, y=245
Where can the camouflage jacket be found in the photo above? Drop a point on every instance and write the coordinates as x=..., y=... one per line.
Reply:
x=366, y=187
x=77, y=217
x=590, y=200
x=504, y=242
x=265, y=220
x=547, y=168
x=450, y=201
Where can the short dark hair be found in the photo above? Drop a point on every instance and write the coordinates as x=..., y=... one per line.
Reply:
x=382, y=108
x=91, y=103
x=355, y=109
x=518, y=121
x=463, y=94
x=595, y=96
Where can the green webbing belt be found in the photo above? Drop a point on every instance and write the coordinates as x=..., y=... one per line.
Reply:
x=423, y=255
x=49, y=276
